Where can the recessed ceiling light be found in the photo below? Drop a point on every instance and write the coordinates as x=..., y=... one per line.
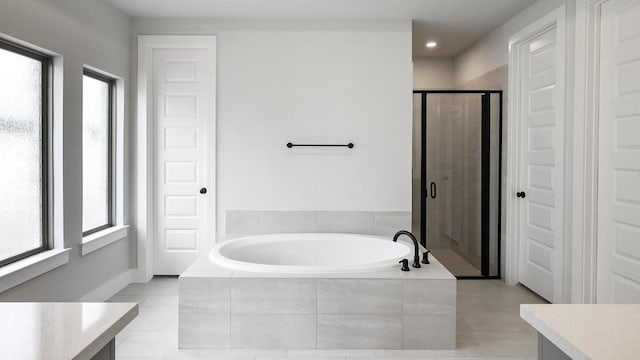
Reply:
x=431, y=44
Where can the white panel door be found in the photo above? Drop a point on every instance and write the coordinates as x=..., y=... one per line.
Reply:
x=183, y=115
x=541, y=123
x=618, y=256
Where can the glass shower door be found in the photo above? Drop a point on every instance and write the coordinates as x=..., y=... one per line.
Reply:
x=461, y=180
x=454, y=165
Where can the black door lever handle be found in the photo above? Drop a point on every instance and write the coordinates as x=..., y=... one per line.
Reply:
x=521, y=194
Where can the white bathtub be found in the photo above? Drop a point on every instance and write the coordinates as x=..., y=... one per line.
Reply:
x=310, y=253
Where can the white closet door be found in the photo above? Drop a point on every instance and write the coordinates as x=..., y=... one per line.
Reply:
x=183, y=112
x=541, y=123
x=618, y=256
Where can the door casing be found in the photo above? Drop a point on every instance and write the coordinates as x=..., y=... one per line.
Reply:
x=557, y=19
x=618, y=163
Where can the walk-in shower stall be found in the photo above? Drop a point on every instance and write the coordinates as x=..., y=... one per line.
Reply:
x=456, y=180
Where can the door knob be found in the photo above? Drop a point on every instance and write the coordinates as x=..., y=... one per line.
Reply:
x=521, y=194
x=203, y=190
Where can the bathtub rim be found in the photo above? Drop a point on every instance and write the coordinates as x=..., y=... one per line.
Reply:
x=216, y=258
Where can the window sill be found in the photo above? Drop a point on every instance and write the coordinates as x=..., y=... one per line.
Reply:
x=93, y=242
x=26, y=269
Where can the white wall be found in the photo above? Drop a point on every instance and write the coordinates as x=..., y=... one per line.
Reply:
x=308, y=82
x=433, y=73
x=84, y=32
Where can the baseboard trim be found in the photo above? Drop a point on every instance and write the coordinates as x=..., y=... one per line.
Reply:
x=140, y=276
x=105, y=291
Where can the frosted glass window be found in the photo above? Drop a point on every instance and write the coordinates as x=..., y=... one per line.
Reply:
x=22, y=160
x=96, y=150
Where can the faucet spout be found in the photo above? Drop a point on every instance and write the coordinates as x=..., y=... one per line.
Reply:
x=416, y=255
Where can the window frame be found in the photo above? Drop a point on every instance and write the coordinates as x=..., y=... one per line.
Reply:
x=46, y=65
x=111, y=82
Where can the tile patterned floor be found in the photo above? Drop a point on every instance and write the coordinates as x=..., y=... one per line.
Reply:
x=489, y=327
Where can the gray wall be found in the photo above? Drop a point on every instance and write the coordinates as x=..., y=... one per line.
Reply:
x=433, y=73
x=492, y=50
x=83, y=32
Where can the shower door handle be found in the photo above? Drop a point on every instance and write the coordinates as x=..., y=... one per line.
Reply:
x=432, y=190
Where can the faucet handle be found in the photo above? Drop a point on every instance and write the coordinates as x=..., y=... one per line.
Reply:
x=425, y=257
x=405, y=265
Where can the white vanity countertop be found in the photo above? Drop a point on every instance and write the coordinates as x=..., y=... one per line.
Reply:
x=60, y=330
x=588, y=331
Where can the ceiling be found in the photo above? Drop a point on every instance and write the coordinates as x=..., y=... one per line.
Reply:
x=454, y=24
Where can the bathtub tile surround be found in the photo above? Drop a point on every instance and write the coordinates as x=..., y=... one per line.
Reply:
x=273, y=296
x=288, y=221
x=154, y=334
x=441, y=294
x=387, y=223
x=350, y=222
x=272, y=331
x=242, y=223
x=251, y=222
x=204, y=330
x=360, y=331
x=204, y=308
x=428, y=332
x=208, y=296
x=359, y=296
x=373, y=310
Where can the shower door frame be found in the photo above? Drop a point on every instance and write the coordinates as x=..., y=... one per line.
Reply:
x=485, y=176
